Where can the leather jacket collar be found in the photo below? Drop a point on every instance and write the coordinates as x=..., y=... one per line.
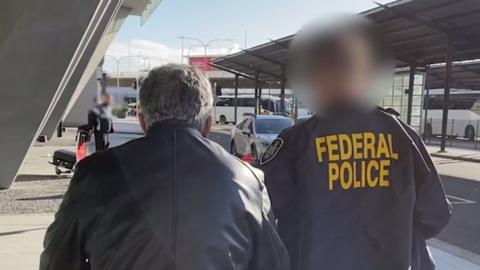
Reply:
x=169, y=124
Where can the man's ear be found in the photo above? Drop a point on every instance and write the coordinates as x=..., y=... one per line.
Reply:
x=141, y=119
x=208, y=126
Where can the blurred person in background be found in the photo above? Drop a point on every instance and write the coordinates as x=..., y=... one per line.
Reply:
x=353, y=187
x=170, y=200
x=100, y=122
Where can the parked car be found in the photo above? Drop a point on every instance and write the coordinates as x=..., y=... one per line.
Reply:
x=255, y=133
x=132, y=109
x=302, y=119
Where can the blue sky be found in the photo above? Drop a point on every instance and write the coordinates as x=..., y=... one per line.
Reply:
x=209, y=19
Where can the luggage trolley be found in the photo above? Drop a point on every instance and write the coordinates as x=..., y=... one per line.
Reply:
x=65, y=160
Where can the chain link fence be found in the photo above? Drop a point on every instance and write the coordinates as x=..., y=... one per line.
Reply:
x=460, y=132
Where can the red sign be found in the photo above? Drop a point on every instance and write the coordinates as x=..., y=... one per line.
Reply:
x=201, y=62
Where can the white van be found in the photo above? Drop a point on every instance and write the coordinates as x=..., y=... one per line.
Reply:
x=224, y=110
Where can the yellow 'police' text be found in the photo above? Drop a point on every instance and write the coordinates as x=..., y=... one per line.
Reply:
x=357, y=160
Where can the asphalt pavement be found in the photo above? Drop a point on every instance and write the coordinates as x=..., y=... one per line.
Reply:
x=461, y=181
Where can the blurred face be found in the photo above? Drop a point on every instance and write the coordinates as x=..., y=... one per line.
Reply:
x=344, y=78
x=107, y=99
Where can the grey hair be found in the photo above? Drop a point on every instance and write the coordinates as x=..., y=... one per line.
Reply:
x=177, y=92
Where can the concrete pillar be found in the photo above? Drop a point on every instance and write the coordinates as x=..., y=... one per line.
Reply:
x=77, y=113
x=42, y=44
x=86, y=68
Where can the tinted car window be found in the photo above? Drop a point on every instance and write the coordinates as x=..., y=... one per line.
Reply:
x=246, y=102
x=268, y=105
x=241, y=124
x=272, y=126
x=250, y=127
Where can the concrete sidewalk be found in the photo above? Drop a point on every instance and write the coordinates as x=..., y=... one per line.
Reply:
x=21, y=239
x=455, y=153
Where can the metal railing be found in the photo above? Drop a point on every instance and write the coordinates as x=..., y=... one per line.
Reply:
x=460, y=132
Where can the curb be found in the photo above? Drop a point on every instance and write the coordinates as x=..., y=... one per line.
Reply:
x=457, y=251
x=461, y=158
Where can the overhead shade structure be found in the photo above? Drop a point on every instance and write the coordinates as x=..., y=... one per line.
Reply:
x=465, y=75
x=48, y=49
x=417, y=31
x=268, y=59
x=420, y=33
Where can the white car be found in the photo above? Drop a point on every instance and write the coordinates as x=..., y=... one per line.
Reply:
x=255, y=133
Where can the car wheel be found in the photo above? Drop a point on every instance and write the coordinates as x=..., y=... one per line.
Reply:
x=233, y=149
x=223, y=120
x=470, y=133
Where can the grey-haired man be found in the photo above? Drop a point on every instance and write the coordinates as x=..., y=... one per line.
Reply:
x=170, y=200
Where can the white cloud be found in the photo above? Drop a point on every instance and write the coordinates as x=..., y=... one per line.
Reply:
x=146, y=54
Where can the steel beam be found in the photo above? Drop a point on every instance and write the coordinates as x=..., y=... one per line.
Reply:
x=411, y=80
x=426, y=99
x=432, y=25
x=251, y=67
x=278, y=43
x=257, y=86
x=446, y=95
x=282, y=90
x=236, y=72
x=235, y=102
x=268, y=59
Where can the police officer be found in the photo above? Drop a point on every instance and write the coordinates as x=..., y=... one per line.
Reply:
x=353, y=188
x=100, y=122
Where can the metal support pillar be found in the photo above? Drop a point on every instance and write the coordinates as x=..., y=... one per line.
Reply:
x=446, y=94
x=282, y=90
x=411, y=80
x=60, y=129
x=426, y=102
x=296, y=109
x=260, y=98
x=235, y=102
x=257, y=86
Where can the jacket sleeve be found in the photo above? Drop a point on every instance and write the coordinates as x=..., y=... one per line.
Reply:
x=270, y=252
x=432, y=208
x=278, y=176
x=64, y=240
x=283, y=191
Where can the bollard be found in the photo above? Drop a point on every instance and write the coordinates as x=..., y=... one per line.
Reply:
x=451, y=132
x=430, y=132
x=476, y=134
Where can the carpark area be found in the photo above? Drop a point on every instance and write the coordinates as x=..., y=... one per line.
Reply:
x=27, y=208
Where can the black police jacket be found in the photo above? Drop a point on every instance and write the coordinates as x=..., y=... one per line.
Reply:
x=169, y=200
x=355, y=190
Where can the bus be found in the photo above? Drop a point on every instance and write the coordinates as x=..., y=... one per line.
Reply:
x=463, y=113
x=224, y=110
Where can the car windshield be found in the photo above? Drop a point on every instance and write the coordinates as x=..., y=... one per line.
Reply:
x=272, y=126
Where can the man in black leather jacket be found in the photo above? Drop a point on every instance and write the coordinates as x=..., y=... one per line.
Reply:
x=170, y=200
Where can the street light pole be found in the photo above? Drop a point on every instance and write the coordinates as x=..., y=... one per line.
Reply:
x=117, y=60
x=192, y=46
x=181, y=57
x=203, y=44
x=117, y=71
